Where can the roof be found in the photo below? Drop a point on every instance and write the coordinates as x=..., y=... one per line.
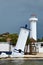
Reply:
x=32, y=40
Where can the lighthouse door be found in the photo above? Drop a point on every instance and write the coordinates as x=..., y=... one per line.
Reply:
x=33, y=49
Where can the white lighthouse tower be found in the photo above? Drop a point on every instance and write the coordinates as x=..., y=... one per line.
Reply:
x=33, y=26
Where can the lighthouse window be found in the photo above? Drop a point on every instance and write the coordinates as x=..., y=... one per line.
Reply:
x=41, y=45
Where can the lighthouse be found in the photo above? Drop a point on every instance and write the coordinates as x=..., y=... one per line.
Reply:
x=33, y=27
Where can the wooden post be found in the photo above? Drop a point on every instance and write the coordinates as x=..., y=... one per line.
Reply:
x=30, y=48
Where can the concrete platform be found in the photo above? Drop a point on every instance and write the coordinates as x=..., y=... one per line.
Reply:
x=39, y=56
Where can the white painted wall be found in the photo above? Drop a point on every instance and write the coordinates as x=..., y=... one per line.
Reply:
x=33, y=32
x=4, y=46
x=39, y=47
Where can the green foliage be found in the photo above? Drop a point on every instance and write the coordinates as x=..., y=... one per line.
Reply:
x=3, y=40
x=40, y=40
x=13, y=38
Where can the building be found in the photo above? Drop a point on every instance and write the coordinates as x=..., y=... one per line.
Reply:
x=40, y=47
x=4, y=49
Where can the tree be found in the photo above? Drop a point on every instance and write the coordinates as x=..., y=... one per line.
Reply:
x=14, y=38
x=42, y=39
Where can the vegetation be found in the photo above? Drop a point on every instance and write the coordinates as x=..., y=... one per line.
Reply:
x=40, y=40
x=14, y=37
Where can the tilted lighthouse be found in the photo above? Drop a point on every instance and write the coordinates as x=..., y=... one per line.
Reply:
x=33, y=27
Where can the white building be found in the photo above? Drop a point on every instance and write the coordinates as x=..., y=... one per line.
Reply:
x=40, y=47
x=4, y=49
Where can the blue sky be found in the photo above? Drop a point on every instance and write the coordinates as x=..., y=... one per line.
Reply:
x=16, y=13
